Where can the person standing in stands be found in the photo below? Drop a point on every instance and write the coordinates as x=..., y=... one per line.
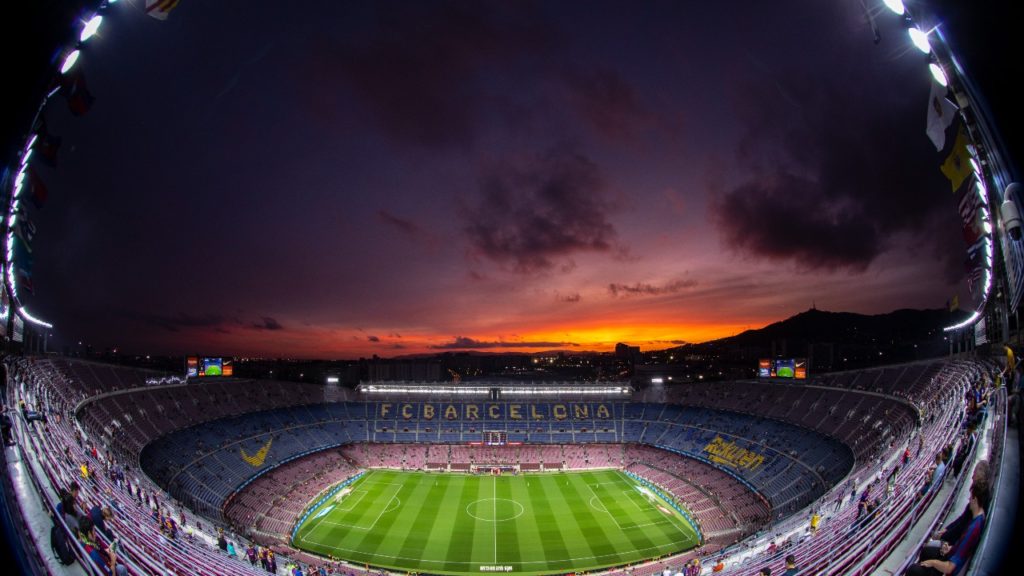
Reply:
x=7, y=424
x=791, y=567
x=958, y=555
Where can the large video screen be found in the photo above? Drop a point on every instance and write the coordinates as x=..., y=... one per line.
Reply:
x=795, y=368
x=208, y=366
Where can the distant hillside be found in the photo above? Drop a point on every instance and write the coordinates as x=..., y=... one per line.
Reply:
x=849, y=328
x=834, y=340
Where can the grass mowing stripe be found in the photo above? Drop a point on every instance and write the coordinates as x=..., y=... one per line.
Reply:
x=633, y=521
x=403, y=535
x=576, y=524
x=606, y=540
x=456, y=524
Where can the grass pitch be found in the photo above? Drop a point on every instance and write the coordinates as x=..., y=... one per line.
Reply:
x=462, y=524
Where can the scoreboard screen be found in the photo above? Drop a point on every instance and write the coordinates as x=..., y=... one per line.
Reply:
x=202, y=367
x=496, y=438
x=795, y=368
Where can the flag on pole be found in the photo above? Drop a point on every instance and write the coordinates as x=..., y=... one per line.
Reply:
x=941, y=113
x=37, y=188
x=22, y=258
x=159, y=9
x=25, y=281
x=25, y=229
x=971, y=214
x=77, y=94
x=954, y=304
x=957, y=166
x=46, y=145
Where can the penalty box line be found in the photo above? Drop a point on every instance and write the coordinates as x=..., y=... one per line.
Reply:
x=384, y=510
x=630, y=495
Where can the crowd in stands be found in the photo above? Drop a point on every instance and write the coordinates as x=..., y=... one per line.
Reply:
x=128, y=525
x=206, y=463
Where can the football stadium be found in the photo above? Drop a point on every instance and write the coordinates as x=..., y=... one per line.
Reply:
x=223, y=443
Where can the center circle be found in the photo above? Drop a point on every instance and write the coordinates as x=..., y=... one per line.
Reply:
x=495, y=509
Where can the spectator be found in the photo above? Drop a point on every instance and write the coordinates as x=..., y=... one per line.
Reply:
x=105, y=560
x=30, y=415
x=7, y=423
x=68, y=509
x=815, y=520
x=719, y=566
x=952, y=532
x=222, y=542
x=937, y=470
x=766, y=571
x=957, y=556
x=99, y=517
x=791, y=567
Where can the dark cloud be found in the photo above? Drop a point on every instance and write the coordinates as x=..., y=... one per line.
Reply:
x=464, y=343
x=825, y=188
x=605, y=100
x=420, y=69
x=644, y=289
x=782, y=216
x=571, y=298
x=217, y=322
x=407, y=227
x=373, y=338
x=394, y=335
x=268, y=323
x=529, y=216
x=181, y=320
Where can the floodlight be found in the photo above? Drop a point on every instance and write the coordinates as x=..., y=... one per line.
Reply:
x=69, y=61
x=920, y=39
x=91, y=27
x=896, y=6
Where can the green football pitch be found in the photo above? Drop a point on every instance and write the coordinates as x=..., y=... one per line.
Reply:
x=462, y=524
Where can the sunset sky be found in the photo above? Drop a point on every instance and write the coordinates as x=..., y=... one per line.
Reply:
x=341, y=179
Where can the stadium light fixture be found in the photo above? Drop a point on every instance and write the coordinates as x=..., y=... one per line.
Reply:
x=30, y=318
x=896, y=6
x=975, y=166
x=32, y=141
x=920, y=39
x=91, y=27
x=18, y=181
x=69, y=61
x=938, y=74
x=970, y=320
